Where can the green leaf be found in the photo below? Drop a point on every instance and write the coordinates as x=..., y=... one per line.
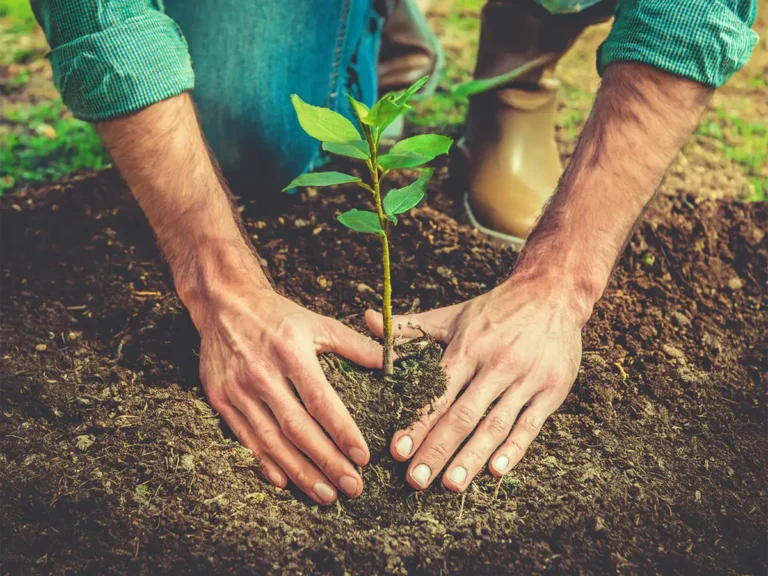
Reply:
x=486, y=84
x=360, y=109
x=352, y=149
x=321, y=179
x=405, y=96
x=361, y=221
x=322, y=123
x=403, y=199
x=384, y=112
x=415, y=151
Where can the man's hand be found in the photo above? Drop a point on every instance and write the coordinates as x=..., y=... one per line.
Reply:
x=521, y=343
x=258, y=350
x=518, y=344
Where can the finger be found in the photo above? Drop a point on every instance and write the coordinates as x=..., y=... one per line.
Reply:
x=493, y=430
x=525, y=431
x=328, y=410
x=350, y=344
x=452, y=429
x=306, y=435
x=458, y=370
x=245, y=434
x=436, y=323
x=301, y=472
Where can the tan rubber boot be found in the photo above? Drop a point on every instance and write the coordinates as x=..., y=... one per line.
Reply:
x=512, y=160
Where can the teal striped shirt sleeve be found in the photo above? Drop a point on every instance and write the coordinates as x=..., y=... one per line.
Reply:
x=704, y=40
x=111, y=58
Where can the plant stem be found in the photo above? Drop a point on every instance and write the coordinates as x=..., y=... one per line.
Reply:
x=386, y=308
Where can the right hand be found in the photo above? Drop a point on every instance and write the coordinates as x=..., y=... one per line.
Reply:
x=258, y=350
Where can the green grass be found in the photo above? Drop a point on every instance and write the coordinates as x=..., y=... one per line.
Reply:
x=443, y=108
x=17, y=24
x=19, y=13
x=40, y=141
x=743, y=143
x=460, y=31
x=43, y=143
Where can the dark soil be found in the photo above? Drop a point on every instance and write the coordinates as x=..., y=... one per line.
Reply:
x=381, y=406
x=112, y=461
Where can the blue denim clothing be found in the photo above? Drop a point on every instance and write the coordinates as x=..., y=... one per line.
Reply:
x=249, y=57
x=244, y=58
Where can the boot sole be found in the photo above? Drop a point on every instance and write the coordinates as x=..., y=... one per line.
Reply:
x=496, y=237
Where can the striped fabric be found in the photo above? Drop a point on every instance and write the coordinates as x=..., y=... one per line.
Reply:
x=704, y=40
x=111, y=58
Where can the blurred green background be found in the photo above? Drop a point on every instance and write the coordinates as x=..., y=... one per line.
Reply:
x=40, y=141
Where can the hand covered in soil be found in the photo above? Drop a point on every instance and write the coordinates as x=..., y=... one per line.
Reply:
x=517, y=345
x=258, y=350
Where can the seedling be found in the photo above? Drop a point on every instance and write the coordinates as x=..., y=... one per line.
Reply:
x=339, y=136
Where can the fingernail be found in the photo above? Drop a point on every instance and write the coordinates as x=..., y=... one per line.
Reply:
x=404, y=446
x=458, y=475
x=421, y=474
x=501, y=463
x=323, y=491
x=349, y=485
x=357, y=455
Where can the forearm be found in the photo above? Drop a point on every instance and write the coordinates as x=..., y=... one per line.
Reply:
x=640, y=119
x=162, y=155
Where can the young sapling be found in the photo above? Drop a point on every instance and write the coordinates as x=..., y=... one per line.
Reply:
x=339, y=136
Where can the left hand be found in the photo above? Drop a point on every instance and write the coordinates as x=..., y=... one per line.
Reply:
x=517, y=345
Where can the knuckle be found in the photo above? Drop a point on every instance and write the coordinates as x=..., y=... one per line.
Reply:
x=259, y=455
x=463, y=351
x=439, y=407
x=558, y=385
x=270, y=439
x=286, y=331
x=286, y=351
x=234, y=392
x=217, y=399
x=533, y=423
x=498, y=424
x=463, y=417
x=437, y=452
x=551, y=383
x=323, y=462
x=302, y=479
x=253, y=374
x=317, y=402
x=472, y=455
x=419, y=428
x=293, y=427
x=504, y=359
x=516, y=444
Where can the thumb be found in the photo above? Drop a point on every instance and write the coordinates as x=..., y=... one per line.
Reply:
x=352, y=345
x=436, y=323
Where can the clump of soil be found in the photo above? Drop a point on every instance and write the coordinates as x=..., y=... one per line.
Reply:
x=382, y=405
x=111, y=460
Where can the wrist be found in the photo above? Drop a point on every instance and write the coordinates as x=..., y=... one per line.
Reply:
x=569, y=251
x=214, y=270
x=558, y=289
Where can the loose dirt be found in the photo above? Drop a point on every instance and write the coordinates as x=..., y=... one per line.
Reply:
x=111, y=460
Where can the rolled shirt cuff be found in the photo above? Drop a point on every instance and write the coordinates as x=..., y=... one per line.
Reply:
x=704, y=40
x=123, y=68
